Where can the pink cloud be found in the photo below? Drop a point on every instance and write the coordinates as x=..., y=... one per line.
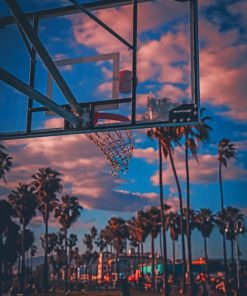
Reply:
x=149, y=154
x=206, y=171
x=223, y=68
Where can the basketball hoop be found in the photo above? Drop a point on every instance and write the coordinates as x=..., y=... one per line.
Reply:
x=117, y=146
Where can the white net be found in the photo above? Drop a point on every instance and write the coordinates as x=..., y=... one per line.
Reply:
x=117, y=146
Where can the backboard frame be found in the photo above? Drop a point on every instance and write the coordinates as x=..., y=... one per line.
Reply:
x=73, y=111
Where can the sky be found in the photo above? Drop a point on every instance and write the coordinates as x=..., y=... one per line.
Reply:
x=163, y=68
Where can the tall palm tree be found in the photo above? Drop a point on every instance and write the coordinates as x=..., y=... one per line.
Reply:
x=67, y=212
x=10, y=251
x=205, y=224
x=104, y=242
x=5, y=163
x=28, y=242
x=233, y=215
x=173, y=223
x=72, y=240
x=24, y=204
x=6, y=213
x=118, y=232
x=33, y=253
x=135, y=235
x=47, y=183
x=167, y=137
x=153, y=223
x=142, y=229
x=226, y=151
x=192, y=135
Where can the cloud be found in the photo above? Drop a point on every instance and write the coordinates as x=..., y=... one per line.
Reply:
x=149, y=154
x=206, y=171
x=223, y=67
x=239, y=9
x=85, y=171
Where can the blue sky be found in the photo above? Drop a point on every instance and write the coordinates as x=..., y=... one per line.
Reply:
x=163, y=68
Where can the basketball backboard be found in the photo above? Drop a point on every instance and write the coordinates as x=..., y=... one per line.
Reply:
x=98, y=65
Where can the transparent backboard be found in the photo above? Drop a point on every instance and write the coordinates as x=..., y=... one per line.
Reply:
x=126, y=66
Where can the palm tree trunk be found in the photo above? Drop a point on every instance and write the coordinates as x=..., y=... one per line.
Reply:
x=117, y=266
x=1, y=261
x=224, y=234
x=22, y=276
x=152, y=264
x=66, y=261
x=31, y=267
x=163, y=221
x=188, y=215
x=160, y=239
x=232, y=251
x=206, y=256
x=181, y=220
x=142, y=257
x=173, y=261
x=138, y=263
x=45, y=272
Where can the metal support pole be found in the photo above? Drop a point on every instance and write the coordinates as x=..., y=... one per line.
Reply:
x=29, y=91
x=134, y=62
x=37, y=44
x=194, y=43
x=102, y=24
x=31, y=78
x=69, y=10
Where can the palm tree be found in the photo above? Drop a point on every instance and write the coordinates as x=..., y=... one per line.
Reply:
x=46, y=183
x=6, y=212
x=5, y=163
x=167, y=137
x=135, y=235
x=142, y=229
x=226, y=151
x=28, y=242
x=10, y=250
x=103, y=242
x=153, y=223
x=33, y=253
x=72, y=240
x=67, y=212
x=118, y=232
x=24, y=205
x=233, y=215
x=192, y=135
x=173, y=223
x=205, y=224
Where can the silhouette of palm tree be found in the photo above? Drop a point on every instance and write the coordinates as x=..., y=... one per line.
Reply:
x=226, y=151
x=173, y=223
x=24, y=205
x=6, y=212
x=153, y=224
x=5, y=163
x=205, y=224
x=67, y=212
x=168, y=137
x=192, y=135
x=46, y=184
